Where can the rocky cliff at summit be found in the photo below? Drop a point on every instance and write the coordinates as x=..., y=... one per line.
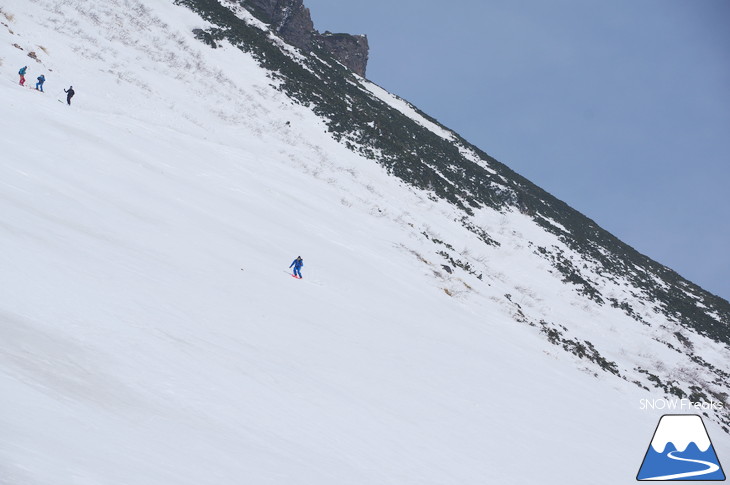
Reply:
x=293, y=22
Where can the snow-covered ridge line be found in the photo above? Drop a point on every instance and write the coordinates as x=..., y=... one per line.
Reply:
x=408, y=110
x=624, y=300
x=404, y=107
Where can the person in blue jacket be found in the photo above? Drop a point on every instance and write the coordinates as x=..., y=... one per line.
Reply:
x=21, y=73
x=39, y=84
x=297, y=263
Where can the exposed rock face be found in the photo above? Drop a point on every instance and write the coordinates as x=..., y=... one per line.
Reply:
x=292, y=21
x=297, y=28
x=200, y=34
x=350, y=50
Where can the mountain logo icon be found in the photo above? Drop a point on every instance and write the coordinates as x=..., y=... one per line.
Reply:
x=681, y=450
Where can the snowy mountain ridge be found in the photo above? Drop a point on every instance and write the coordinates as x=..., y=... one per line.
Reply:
x=446, y=306
x=507, y=191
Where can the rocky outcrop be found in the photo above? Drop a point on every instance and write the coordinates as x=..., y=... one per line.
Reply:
x=206, y=37
x=350, y=50
x=291, y=20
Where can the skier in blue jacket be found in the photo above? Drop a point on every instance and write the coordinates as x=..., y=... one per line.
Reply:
x=21, y=73
x=297, y=263
x=39, y=84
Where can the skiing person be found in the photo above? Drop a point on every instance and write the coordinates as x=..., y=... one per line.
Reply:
x=70, y=94
x=21, y=73
x=297, y=263
x=39, y=84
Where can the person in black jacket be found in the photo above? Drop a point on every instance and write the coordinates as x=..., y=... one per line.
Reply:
x=69, y=94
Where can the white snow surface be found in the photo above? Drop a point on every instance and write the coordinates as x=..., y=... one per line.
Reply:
x=150, y=333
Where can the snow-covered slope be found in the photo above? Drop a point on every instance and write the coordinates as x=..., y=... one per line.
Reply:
x=150, y=334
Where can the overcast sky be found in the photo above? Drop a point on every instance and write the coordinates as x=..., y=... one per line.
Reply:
x=619, y=108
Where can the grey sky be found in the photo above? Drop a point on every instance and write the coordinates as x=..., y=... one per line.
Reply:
x=620, y=108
